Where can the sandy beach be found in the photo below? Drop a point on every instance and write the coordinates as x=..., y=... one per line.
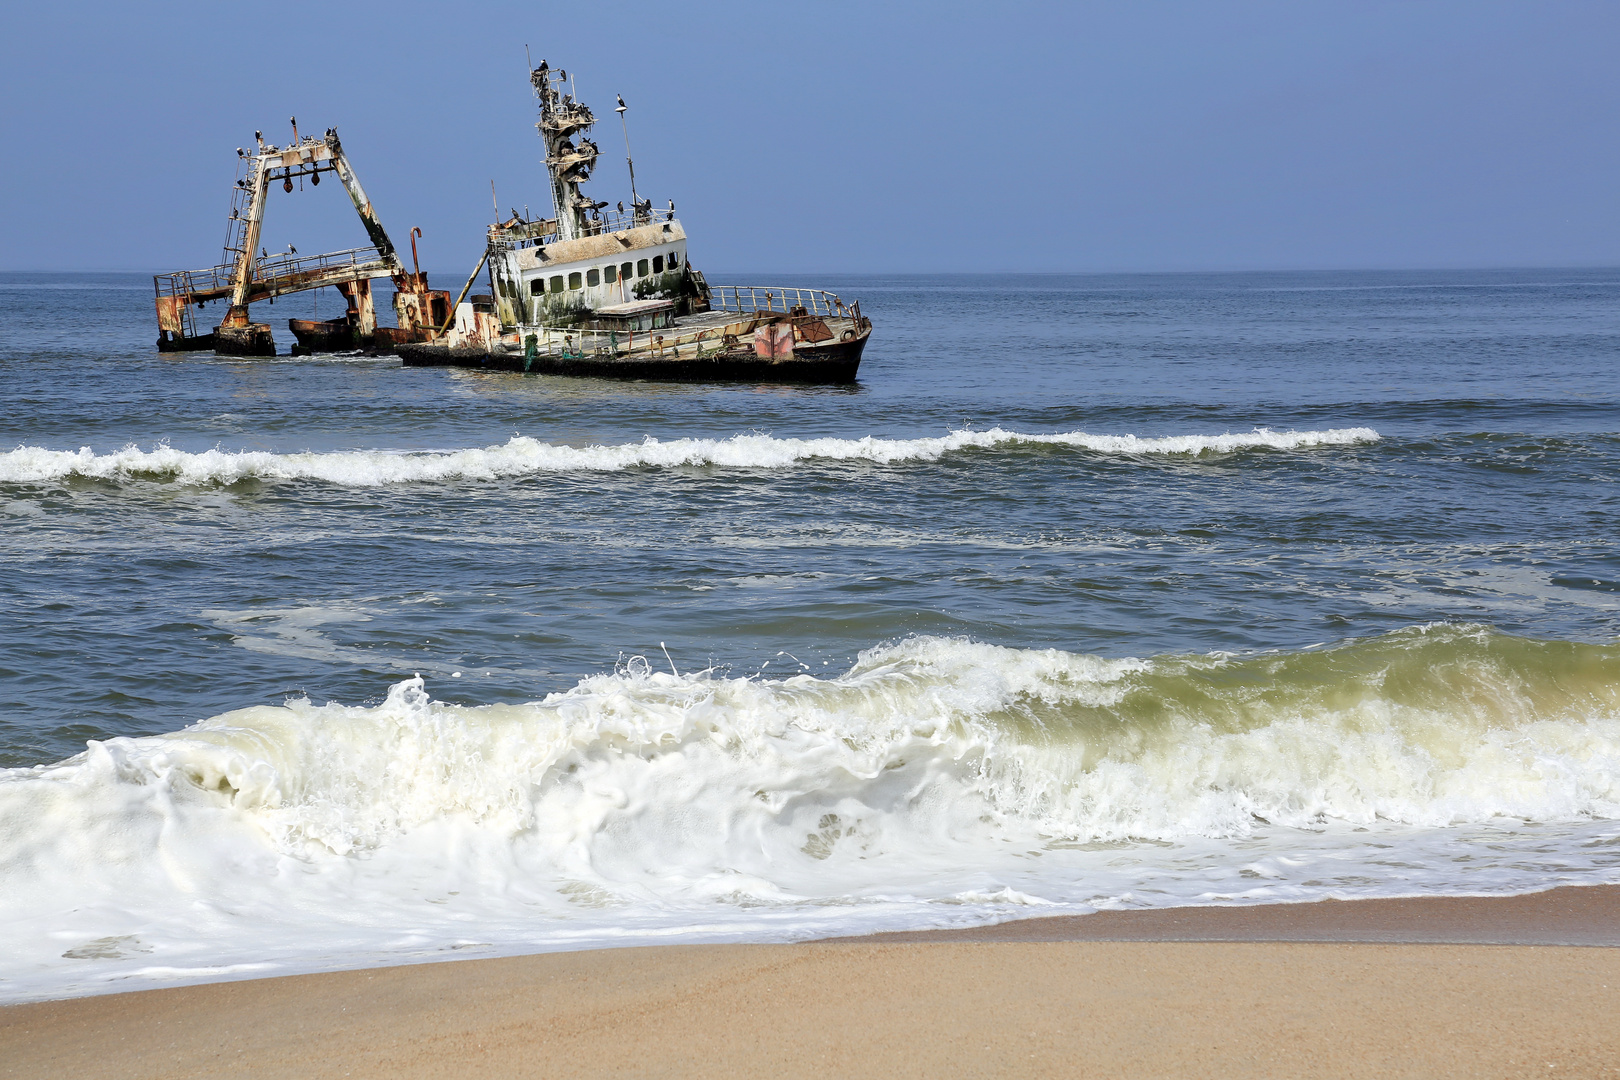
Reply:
x=1360, y=988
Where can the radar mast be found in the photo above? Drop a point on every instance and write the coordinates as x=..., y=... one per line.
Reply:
x=568, y=161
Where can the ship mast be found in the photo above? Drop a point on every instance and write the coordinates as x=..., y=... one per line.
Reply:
x=568, y=162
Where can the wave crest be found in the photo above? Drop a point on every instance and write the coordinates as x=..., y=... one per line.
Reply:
x=949, y=739
x=524, y=456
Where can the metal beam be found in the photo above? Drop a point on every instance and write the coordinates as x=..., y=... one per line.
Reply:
x=362, y=205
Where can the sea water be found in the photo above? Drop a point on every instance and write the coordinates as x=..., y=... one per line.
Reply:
x=1094, y=592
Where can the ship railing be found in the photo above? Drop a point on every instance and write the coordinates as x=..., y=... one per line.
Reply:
x=601, y=225
x=746, y=299
x=214, y=279
x=287, y=264
x=612, y=221
x=217, y=279
x=527, y=234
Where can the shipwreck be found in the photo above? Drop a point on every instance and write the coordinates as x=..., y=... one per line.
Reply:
x=594, y=291
x=587, y=291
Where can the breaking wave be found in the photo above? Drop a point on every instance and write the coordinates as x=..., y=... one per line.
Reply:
x=933, y=772
x=1432, y=726
x=523, y=456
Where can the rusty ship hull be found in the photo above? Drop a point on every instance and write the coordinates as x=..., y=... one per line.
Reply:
x=724, y=332
x=321, y=335
x=833, y=362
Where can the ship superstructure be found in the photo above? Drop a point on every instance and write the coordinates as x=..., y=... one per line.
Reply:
x=557, y=271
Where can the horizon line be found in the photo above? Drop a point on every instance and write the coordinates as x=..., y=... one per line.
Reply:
x=1476, y=268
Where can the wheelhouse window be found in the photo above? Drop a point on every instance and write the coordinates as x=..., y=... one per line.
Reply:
x=674, y=260
x=625, y=272
x=658, y=264
x=610, y=274
x=556, y=283
x=593, y=276
x=537, y=286
x=575, y=281
x=641, y=268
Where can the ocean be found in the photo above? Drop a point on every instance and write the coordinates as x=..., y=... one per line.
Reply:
x=1094, y=592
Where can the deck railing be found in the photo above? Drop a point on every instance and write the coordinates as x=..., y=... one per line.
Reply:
x=216, y=279
x=746, y=299
x=610, y=222
x=286, y=264
x=189, y=282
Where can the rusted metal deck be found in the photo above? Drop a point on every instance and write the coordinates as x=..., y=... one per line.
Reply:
x=761, y=334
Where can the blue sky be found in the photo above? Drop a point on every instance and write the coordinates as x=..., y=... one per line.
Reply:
x=844, y=137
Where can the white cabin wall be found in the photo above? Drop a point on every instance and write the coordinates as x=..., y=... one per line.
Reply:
x=517, y=270
x=602, y=295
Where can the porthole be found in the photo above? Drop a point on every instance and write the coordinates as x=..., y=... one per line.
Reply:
x=658, y=264
x=556, y=283
x=575, y=281
x=593, y=276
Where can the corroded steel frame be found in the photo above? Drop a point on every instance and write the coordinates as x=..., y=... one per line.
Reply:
x=247, y=278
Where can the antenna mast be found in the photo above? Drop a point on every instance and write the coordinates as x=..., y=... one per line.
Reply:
x=562, y=117
x=635, y=200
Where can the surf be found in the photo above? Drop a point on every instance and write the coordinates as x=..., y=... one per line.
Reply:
x=936, y=779
x=524, y=456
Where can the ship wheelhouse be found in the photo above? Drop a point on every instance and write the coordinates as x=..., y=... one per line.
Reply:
x=560, y=282
x=559, y=271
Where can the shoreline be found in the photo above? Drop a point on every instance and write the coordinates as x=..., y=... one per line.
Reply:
x=1574, y=915
x=1327, y=988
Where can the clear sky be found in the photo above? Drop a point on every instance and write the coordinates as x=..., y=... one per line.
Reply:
x=822, y=137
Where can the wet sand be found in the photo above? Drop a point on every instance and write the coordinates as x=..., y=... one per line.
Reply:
x=1569, y=916
x=1103, y=995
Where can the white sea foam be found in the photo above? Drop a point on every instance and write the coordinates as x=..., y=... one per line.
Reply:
x=523, y=456
x=938, y=781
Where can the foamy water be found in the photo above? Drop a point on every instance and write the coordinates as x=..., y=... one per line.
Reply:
x=523, y=456
x=939, y=781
